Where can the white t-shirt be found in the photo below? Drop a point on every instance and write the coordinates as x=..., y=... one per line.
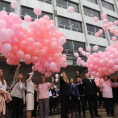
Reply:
x=3, y=87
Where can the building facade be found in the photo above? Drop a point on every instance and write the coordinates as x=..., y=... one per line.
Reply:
x=78, y=27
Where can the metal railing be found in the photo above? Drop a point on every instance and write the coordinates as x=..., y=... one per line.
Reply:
x=46, y=1
x=65, y=7
x=93, y=34
x=70, y=28
x=91, y=15
x=93, y=1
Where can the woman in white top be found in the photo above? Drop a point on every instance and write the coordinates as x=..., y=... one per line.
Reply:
x=3, y=85
x=18, y=94
x=30, y=94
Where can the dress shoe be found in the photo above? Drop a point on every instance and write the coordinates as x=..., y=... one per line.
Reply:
x=97, y=115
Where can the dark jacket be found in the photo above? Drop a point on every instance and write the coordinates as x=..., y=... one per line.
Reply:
x=90, y=87
x=81, y=89
x=64, y=87
x=74, y=90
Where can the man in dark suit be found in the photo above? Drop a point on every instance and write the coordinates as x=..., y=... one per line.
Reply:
x=91, y=93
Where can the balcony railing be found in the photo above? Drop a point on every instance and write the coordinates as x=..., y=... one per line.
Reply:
x=93, y=1
x=70, y=28
x=65, y=7
x=91, y=15
x=46, y=1
x=93, y=34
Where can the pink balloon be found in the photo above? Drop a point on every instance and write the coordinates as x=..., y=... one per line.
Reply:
x=76, y=54
x=30, y=41
x=110, y=24
x=62, y=61
x=35, y=59
x=112, y=30
x=20, y=54
x=115, y=68
x=54, y=45
x=104, y=15
x=27, y=18
x=62, y=40
x=56, y=56
x=88, y=48
x=105, y=21
x=42, y=52
x=105, y=26
x=96, y=35
x=48, y=74
x=70, y=9
x=116, y=33
x=111, y=62
x=96, y=47
x=52, y=65
x=27, y=57
x=37, y=11
x=95, y=19
x=14, y=4
x=5, y=48
x=80, y=49
x=113, y=38
x=4, y=35
x=51, y=27
x=23, y=44
x=100, y=31
x=2, y=24
x=115, y=22
x=101, y=62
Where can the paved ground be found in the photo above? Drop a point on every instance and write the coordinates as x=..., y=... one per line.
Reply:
x=101, y=112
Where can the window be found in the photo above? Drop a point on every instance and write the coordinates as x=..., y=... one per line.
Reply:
x=111, y=18
x=93, y=29
x=101, y=48
x=69, y=24
x=5, y=6
x=93, y=1
x=46, y=1
x=65, y=3
x=91, y=12
x=29, y=11
x=72, y=46
x=111, y=35
x=108, y=5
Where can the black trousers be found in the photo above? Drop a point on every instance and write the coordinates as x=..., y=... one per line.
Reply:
x=35, y=108
x=64, y=106
x=108, y=102
x=54, y=103
x=82, y=100
x=92, y=101
x=100, y=99
x=16, y=107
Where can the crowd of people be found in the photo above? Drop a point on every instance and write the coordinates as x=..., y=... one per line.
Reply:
x=74, y=95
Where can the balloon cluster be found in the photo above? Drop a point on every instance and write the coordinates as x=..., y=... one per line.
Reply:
x=41, y=45
x=101, y=63
x=97, y=81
